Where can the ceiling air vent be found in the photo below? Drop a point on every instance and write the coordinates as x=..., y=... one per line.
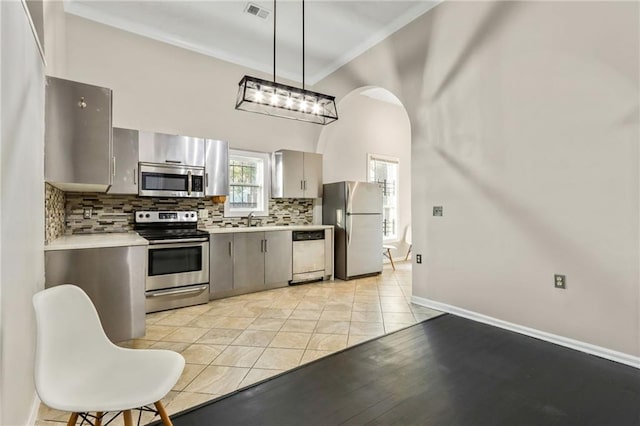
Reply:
x=258, y=11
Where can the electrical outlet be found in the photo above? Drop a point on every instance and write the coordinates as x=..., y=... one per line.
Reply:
x=86, y=213
x=418, y=258
x=203, y=214
x=437, y=210
x=560, y=281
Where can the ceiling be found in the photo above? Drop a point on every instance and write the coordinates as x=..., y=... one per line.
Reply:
x=335, y=31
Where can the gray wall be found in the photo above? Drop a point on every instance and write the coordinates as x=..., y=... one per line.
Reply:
x=21, y=209
x=525, y=127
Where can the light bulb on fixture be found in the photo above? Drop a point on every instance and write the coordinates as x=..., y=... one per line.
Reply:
x=289, y=102
x=303, y=106
x=259, y=96
x=316, y=108
x=274, y=99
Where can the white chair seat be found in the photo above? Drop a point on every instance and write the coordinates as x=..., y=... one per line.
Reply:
x=121, y=380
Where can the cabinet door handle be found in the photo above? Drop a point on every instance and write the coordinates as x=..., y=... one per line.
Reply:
x=114, y=166
x=230, y=249
x=301, y=185
x=134, y=176
x=261, y=246
x=206, y=180
x=266, y=247
x=305, y=185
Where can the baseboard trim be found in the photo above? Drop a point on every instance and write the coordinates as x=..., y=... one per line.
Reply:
x=599, y=351
x=35, y=406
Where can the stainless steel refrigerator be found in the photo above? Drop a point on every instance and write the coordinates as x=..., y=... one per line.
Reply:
x=355, y=210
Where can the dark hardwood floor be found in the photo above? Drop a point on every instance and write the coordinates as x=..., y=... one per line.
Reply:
x=444, y=371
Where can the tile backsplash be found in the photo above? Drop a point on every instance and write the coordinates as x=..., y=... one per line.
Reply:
x=54, y=201
x=114, y=213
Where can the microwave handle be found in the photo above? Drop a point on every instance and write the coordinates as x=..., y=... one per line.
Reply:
x=189, y=182
x=173, y=161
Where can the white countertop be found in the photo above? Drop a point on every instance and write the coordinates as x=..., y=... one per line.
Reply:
x=124, y=239
x=85, y=241
x=221, y=230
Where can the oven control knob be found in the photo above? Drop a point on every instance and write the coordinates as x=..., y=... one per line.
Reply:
x=193, y=215
x=147, y=215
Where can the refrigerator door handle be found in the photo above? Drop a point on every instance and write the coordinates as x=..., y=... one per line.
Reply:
x=348, y=228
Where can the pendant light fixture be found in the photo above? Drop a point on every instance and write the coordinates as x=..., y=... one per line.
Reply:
x=281, y=100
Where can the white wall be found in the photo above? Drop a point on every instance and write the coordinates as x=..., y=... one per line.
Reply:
x=369, y=126
x=55, y=37
x=525, y=127
x=163, y=88
x=21, y=208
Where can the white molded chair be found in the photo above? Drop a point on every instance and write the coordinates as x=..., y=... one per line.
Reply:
x=407, y=240
x=386, y=248
x=78, y=369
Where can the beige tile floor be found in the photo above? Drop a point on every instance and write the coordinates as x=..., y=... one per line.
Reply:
x=231, y=343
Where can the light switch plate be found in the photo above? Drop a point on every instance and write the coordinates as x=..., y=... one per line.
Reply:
x=86, y=213
x=437, y=210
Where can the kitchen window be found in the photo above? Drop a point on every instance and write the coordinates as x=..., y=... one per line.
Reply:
x=384, y=171
x=248, y=184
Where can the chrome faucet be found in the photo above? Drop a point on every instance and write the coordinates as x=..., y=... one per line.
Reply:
x=249, y=217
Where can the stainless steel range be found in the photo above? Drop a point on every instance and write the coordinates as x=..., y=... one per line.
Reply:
x=178, y=259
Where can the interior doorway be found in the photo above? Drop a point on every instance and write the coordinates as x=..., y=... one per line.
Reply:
x=372, y=142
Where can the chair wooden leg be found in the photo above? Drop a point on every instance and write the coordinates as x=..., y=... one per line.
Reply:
x=99, y=415
x=163, y=414
x=128, y=420
x=73, y=418
x=408, y=252
x=391, y=259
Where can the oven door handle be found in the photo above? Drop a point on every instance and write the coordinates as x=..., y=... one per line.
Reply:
x=181, y=291
x=178, y=242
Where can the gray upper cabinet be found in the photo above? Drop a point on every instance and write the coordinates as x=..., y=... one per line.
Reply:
x=312, y=175
x=216, y=167
x=161, y=148
x=296, y=174
x=125, y=154
x=78, y=144
x=278, y=256
x=221, y=266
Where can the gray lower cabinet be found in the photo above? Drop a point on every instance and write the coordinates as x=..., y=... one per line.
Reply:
x=277, y=258
x=243, y=262
x=221, y=266
x=114, y=280
x=248, y=261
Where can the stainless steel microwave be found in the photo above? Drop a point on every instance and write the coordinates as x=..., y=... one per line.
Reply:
x=168, y=180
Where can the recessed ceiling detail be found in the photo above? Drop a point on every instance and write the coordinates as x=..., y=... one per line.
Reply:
x=336, y=31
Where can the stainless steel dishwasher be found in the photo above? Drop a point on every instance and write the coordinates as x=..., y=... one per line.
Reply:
x=308, y=256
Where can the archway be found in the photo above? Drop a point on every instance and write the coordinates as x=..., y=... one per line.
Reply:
x=373, y=125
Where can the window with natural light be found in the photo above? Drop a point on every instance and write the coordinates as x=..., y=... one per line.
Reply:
x=248, y=188
x=384, y=171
